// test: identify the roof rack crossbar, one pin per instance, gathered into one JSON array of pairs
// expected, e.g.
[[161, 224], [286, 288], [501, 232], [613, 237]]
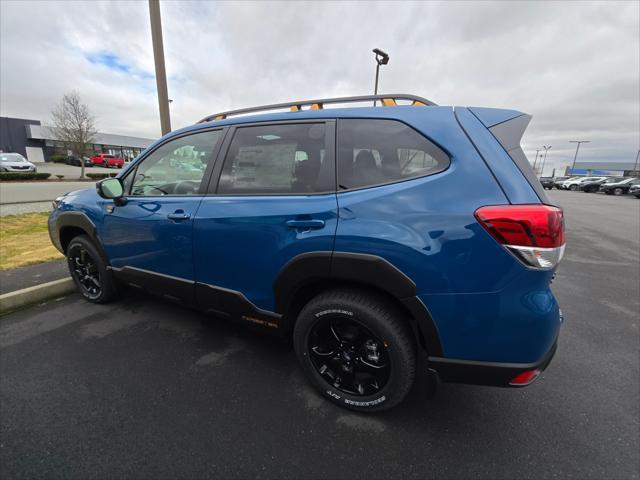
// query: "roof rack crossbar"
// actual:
[[389, 99]]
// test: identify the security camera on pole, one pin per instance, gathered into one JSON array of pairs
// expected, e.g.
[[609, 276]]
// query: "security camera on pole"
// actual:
[[382, 58]]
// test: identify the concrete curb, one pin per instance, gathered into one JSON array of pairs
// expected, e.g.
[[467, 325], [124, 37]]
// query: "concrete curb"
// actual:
[[38, 293]]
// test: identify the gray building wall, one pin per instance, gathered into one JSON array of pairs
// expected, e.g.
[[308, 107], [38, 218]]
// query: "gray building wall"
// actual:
[[13, 135]]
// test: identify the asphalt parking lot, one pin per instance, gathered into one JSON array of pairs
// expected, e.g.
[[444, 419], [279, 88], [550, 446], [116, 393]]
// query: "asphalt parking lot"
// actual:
[[145, 389]]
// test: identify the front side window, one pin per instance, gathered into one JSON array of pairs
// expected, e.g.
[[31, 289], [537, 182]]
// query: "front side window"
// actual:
[[278, 159], [374, 152], [175, 168]]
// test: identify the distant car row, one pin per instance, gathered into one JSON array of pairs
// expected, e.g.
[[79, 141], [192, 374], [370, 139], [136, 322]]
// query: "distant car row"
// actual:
[[100, 160], [608, 185]]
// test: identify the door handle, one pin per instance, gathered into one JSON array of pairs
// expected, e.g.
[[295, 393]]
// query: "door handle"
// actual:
[[306, 224], [178, 216]]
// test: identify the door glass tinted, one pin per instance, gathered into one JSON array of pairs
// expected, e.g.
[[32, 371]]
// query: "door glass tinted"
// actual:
[[278, 159], [374, 152], [177, 167]]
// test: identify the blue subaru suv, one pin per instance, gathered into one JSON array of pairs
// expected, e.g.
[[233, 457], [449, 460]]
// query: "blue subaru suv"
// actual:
[[383, 240]]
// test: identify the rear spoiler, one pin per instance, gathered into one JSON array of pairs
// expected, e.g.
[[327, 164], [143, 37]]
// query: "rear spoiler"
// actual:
[[508, 127]]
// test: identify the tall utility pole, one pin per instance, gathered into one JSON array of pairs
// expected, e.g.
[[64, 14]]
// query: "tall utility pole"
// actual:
[[535, 161], [546, 149], [635, 165], [161, 74], [576, 155]]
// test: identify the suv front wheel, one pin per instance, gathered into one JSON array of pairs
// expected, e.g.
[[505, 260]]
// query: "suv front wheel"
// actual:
[[89, 271], [356, 350]]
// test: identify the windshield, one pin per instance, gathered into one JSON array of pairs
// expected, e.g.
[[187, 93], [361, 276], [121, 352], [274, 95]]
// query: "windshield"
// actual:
[[613, 179], [11, 157]]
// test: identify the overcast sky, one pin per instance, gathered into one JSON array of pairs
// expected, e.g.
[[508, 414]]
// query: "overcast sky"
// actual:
[[574, 66]]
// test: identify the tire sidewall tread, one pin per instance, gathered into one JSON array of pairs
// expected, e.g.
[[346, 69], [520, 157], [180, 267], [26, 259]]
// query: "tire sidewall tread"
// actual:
[[386, 322], [109, 289]]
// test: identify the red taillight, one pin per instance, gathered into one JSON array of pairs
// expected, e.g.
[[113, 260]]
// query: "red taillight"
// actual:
[[524, 225], [535, 233], [525, 378]]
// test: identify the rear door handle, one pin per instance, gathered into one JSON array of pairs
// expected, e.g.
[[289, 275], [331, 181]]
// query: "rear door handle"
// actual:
[[179, 216], [305, 224]]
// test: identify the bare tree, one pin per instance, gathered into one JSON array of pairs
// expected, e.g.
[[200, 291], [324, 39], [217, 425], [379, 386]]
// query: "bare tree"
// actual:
[[74, 125]]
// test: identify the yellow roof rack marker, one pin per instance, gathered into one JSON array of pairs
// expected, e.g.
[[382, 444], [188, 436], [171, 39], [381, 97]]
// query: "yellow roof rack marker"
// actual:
[[389, 102], [316, 106]]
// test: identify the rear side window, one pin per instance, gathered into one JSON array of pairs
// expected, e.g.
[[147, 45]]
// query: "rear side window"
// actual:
[[278, 159], [375, 152]]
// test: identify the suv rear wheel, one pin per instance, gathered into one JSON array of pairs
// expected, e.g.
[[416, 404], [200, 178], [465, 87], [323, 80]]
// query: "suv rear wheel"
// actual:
[[89, 271], [356, 350]]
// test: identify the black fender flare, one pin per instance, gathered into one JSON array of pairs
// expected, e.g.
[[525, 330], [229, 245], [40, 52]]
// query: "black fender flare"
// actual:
[[308, 268], [78, 220]]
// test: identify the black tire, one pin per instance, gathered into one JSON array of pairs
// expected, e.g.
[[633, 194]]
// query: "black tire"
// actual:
[[618, 191], [637, 196], [573, 188], [89, 271], [378, 324]]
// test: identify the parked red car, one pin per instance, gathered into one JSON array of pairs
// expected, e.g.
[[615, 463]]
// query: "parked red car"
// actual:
[[107, 160]]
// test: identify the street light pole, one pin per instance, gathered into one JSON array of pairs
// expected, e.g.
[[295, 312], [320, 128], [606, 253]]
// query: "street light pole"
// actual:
[[382, 58], [635, 165], [535, 161], [546, 149], [576, 155], [161, 74]]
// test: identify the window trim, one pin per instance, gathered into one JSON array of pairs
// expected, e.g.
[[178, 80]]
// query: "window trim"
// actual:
[[206, 176], [417, 177], [330, 146]]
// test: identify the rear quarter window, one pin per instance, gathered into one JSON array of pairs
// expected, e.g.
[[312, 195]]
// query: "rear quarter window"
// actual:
[[375, 152]]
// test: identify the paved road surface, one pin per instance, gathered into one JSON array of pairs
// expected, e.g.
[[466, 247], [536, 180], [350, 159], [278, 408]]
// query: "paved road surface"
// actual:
[[20, 192], [23, 277], [142, 388]]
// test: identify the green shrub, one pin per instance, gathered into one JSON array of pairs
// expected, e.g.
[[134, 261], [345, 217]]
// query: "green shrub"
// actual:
[[58, 158], [100, 176], [60, 177], [23, 176]]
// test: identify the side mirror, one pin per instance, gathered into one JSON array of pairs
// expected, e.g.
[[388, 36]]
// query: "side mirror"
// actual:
[[110, 188]]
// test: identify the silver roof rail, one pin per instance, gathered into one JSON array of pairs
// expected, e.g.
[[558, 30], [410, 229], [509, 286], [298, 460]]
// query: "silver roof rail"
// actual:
[[387, 100]]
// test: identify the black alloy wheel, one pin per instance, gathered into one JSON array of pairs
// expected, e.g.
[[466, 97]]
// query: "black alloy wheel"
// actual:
[[348, 356], [89, 271], [618, 191], [85, 272], [356, 348]]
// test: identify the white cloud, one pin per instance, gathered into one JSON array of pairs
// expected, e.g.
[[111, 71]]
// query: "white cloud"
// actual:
[[574, 66]]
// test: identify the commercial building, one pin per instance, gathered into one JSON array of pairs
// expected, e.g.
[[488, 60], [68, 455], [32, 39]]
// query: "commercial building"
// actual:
[[627, 169], [38, 143]]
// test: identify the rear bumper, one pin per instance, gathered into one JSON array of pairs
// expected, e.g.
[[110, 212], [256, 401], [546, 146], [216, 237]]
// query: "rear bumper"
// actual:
[[485, 373]]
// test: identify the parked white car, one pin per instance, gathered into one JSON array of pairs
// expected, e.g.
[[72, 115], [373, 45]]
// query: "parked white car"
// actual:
[[14, 162], [574, 183]]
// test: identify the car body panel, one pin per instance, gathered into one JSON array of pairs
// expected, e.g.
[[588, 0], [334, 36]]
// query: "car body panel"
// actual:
[[242, 242], [140, 234]]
